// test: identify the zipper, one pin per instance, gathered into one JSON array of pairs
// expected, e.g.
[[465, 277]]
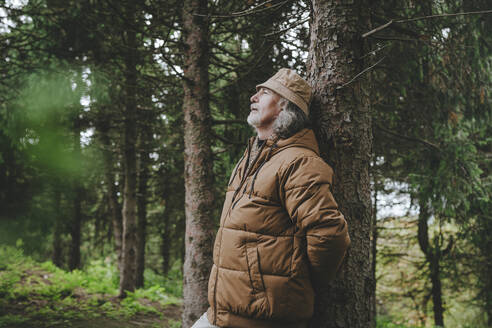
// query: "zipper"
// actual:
[[243, 179], [237, 201], [247, 171], [228, 213], [215, 289]]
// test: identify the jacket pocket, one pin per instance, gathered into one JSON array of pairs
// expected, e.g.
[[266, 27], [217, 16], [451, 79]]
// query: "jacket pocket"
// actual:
[[260, 306], [255, 277]]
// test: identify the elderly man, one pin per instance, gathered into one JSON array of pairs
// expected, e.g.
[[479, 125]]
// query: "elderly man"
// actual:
[[281, 237]]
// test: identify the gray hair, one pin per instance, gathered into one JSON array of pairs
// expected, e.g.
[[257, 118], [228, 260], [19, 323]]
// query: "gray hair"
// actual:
[[290, 120]]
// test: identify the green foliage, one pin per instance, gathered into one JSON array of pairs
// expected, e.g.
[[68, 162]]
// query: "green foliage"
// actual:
[[131, 305], [41, 290], [11, 258], [168, 282], [432, 117], [42, 117], [7, 282], [403, 292], [389, 322], [13, 320], [174, 324]]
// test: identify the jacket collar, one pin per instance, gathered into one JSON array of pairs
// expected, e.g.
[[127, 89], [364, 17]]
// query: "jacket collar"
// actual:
[[304, 138]]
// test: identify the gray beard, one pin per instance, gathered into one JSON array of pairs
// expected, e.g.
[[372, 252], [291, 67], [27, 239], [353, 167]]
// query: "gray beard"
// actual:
[[254, 119]]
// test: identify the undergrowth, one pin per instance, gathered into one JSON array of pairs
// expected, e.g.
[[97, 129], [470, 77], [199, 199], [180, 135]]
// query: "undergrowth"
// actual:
[[43, 295]]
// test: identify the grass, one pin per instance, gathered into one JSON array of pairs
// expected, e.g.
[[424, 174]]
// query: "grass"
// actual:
[[42, 295]]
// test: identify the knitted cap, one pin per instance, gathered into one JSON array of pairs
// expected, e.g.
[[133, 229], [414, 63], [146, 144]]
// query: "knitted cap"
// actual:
[[291, 86]]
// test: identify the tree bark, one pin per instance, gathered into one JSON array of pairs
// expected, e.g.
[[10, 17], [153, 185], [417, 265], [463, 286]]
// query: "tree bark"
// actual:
[[143, 178], [374, 238], [342, 121], [114, 205], [488, 289], [129, 247], [57, 257], [166, 240], [199, 199], [77, 207], [437, 292]]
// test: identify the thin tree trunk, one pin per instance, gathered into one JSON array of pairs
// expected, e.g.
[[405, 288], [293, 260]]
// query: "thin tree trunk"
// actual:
[[488, 290], [129, 247], [166, 240], [77, 215], [343, 125], [114, 205], [143, 178], [437, 292], [199, 199], [374, 244], [57, 257], [103, 124], [433, 258]]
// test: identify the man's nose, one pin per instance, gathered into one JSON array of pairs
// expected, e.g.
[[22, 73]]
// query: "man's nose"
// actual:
[[254, 98]]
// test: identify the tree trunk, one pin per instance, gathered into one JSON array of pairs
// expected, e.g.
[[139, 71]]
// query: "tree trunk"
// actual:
[[57, 257], [77, 206], [433, 258], [114, 205], [166, 240], [486, 273], [374, 239], [199, 199], [143, 178], [342, 119], [488, 290], [437, 292], [129, 247]]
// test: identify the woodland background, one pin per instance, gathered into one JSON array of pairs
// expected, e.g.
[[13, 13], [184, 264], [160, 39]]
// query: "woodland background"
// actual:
[[113, 113]]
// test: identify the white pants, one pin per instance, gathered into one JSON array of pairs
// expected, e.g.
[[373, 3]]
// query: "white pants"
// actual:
[[202, 322]]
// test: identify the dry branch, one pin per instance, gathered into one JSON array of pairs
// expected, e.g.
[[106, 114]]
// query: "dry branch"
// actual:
[[382, 27]]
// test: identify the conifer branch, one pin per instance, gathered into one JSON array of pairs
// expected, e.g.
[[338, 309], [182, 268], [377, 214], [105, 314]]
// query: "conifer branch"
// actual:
[[382, 27], [218, 122], [227, 141], [422, 141], [359, 74]]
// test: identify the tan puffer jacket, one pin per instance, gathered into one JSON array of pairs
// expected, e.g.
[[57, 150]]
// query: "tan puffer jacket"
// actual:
[[281, 236]]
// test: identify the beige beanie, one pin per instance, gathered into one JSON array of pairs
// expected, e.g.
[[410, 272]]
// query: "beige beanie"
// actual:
[[291, 86]]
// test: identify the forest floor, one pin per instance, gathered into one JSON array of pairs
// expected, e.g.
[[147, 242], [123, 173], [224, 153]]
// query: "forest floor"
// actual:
[[41, 295], [32, 314], [39, 312]]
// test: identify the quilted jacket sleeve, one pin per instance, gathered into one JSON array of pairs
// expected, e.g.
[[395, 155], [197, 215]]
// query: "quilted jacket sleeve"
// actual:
[[307, 197]]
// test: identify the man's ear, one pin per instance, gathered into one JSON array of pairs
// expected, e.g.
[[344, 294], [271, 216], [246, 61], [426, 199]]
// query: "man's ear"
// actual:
[[283, 103]]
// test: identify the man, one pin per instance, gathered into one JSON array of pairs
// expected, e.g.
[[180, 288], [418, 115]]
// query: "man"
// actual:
[[281, 237]]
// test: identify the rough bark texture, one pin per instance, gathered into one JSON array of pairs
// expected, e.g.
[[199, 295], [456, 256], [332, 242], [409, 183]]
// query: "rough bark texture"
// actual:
[[77, 207], [199, 197], [129, 247], [143, 177], [343, 126]]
